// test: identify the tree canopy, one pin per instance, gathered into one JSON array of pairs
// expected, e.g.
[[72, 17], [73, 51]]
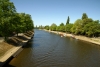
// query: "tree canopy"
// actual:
[[84, 26], [68, 19], [11, 21], [53, 27], [84, 16]]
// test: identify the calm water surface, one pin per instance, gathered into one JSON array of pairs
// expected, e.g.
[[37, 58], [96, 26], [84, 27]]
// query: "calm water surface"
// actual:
[[50, 50]]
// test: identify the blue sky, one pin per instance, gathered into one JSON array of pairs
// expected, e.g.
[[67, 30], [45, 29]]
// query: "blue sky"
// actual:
[[46, 12]]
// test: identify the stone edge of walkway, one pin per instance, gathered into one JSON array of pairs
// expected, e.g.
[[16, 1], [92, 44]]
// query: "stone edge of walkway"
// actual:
[[12, 51]]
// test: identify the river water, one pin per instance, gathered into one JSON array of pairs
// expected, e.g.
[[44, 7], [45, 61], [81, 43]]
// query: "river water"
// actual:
[[50, 50]]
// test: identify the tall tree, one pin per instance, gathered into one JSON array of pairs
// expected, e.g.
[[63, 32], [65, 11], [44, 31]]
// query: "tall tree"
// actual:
[[11, 21], [47, 27], [36, 27], [84, 16], [62, 27], [40, 27], [7, 9], [68, 20], [92, 29]]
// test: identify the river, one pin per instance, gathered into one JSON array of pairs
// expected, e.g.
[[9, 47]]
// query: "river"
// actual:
[[50, 50]]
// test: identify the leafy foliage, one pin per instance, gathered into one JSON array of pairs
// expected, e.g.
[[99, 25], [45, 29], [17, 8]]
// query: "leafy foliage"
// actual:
[[84, 16], [68, 28], [92, 29], [11, 21], [84, 26], [53, 27]]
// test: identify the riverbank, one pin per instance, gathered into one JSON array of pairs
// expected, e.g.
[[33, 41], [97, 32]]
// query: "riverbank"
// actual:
[[83, 38], [13, 46]]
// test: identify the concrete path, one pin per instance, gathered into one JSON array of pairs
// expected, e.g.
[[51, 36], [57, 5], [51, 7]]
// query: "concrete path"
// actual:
[[12, 51], [1, 39]]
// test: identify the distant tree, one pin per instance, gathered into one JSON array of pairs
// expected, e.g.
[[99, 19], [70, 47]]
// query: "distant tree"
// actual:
[[28, 23], [53, 27], [36, 27], [84, 16], [41, 27], [11, 21], [77, 27], [68, 28], [62, 24], [58, 28], [22, 23], [96, 21], [47, 27], [68, 19], [61, 27], [87, 20], [92, 29]]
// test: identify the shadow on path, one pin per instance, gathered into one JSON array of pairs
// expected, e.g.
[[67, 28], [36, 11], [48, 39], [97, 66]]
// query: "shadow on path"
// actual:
[[18, 40]]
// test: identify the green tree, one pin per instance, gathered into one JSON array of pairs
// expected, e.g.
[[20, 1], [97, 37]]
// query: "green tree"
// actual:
[[11, 21], [84, 16], [92, 29], [77, 27], [53, 27], [47, 27], [15, 22], [41, 27], [58, 28], [22, 23], [85, 22], [7, 9], [68, 19], [36, 27], [68, 28]]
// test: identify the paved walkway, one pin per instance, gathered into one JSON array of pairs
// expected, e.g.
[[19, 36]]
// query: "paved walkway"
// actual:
[[1, 39], [12, 51]]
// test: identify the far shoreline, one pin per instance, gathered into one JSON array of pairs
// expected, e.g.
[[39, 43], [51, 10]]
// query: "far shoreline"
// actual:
[[95, 41]]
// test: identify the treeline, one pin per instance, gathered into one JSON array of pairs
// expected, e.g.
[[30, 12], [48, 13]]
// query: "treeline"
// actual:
[[84, 26], [12, 22]]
